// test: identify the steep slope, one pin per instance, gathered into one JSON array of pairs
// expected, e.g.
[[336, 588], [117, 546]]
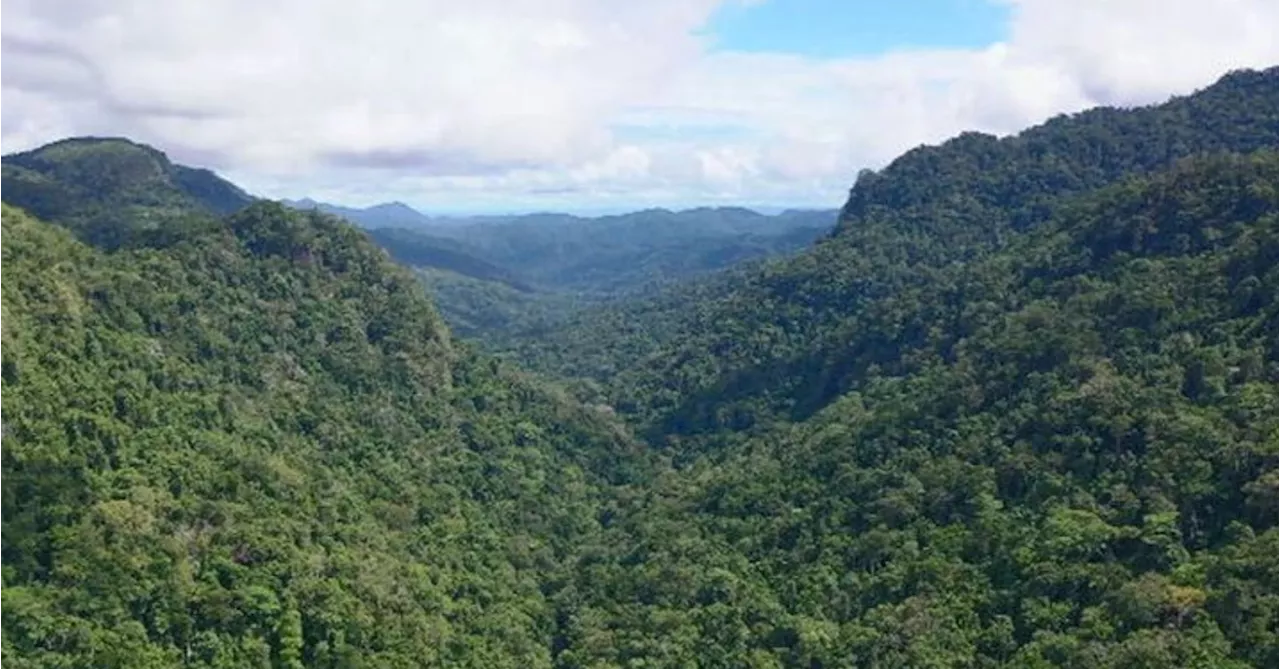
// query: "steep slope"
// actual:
[[800, 332], [257, 446], [1068, 460], [109, 190]]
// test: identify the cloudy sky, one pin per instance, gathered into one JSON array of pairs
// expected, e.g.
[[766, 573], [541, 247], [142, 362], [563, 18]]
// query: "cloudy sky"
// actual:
[[508, 105]]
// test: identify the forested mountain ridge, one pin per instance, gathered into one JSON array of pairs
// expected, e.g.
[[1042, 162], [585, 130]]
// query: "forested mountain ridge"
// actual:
[[794, 334], [256, 445], [603, 256], [386, 215], [1084, 475], [1012, 179], [610, 255], [110, 189]]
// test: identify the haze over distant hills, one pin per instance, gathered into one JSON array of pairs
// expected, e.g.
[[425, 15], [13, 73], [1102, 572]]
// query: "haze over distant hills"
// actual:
[[401, 215], [497, 273], [387, 214]]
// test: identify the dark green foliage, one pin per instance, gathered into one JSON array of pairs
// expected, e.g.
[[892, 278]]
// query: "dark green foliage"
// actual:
[[488, 311], [113, 192], [598, 340], [1073, 465], [1010, 414], [258, 446]]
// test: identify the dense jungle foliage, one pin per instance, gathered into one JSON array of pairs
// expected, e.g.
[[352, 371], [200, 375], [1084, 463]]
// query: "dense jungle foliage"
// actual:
[[257, 446], [947, 435], [1017, 410], [806, 327]]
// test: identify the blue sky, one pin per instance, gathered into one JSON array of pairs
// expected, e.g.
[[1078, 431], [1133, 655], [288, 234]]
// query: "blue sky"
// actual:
[[846, 28]]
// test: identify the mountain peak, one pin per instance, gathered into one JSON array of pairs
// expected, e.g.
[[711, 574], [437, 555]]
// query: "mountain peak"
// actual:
[[971, 162], [393, 214], [95, 142], [106, 186], [396, 208], [121, 161]]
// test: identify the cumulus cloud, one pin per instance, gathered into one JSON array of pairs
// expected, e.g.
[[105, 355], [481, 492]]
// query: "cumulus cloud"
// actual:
[[827, 118], [1137, 51], [589, 101], [291, 84]]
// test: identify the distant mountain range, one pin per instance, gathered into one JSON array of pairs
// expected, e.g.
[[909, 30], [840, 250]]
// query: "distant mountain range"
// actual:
[[551, 260], [107, 189], [400, 215], [385, 215], [602, 254]]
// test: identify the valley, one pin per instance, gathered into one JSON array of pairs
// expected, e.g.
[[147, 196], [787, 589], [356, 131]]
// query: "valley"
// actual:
[[1012, 405], [492, 276]]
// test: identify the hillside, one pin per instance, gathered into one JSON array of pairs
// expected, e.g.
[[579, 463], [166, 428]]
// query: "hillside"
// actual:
[[592, 256], [257, 446], [1063, 455], [794, 334], [110, 190], [485, 310]]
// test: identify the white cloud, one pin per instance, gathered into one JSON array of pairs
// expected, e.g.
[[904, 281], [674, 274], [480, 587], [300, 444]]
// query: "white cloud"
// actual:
[[290, 84], [517, 101], [1136, 51]]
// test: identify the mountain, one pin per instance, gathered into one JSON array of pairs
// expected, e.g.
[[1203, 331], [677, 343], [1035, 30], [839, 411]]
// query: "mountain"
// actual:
[[932, 209], [256, 444], [106, 189], [418, 250], [1018, 410], [609, 255], [603, 255], [1084, 477], [385, 215]]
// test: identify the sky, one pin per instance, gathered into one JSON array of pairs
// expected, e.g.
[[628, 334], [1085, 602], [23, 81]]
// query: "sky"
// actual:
[[852, 28], [587, 106]]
